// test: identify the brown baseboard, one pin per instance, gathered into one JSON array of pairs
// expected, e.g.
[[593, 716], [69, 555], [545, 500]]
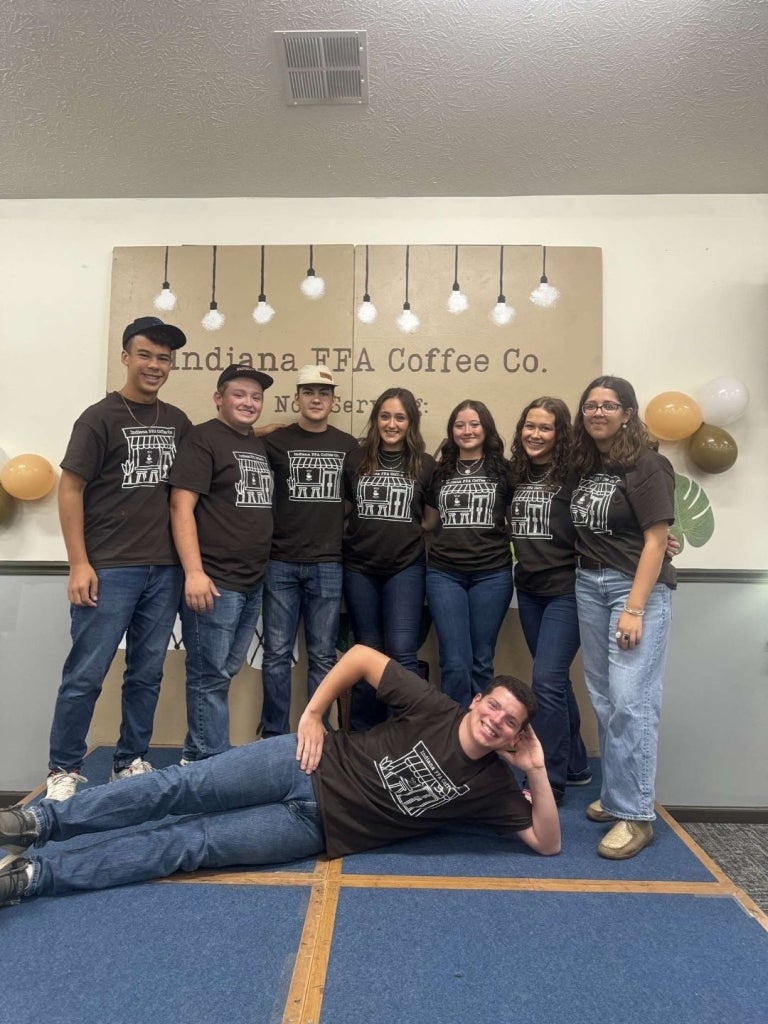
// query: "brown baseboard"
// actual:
[[8, 797], [737, 815]]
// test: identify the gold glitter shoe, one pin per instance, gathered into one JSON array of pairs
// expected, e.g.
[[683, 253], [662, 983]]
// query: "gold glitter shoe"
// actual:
[[595, 812], [625, 839]]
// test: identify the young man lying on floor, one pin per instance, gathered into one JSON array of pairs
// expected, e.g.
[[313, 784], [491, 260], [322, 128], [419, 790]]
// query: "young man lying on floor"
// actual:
[[295, 796]]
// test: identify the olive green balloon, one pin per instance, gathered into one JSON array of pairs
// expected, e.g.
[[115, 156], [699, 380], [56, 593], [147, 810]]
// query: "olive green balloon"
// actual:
[[712, 449], [7, 505]]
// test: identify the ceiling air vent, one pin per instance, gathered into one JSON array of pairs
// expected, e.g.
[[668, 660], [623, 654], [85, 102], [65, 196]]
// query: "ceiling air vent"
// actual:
[[324, 67]]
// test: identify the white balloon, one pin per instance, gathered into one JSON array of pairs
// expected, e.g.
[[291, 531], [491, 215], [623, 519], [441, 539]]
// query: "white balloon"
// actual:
[[722, 400]]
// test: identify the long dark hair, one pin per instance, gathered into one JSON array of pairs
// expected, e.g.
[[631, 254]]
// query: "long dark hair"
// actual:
[[562, 450], [413, 452], [496, 466], [627, 442]]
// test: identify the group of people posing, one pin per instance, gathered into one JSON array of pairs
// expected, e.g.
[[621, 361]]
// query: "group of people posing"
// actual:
[[292, 517]]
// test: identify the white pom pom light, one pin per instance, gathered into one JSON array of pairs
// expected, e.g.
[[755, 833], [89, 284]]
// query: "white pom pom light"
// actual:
[[502, 314], [312, 286], [166, 300], [457, 300], [213, 319], [366, 311], [263, 312], [408, 322], [544, 295]]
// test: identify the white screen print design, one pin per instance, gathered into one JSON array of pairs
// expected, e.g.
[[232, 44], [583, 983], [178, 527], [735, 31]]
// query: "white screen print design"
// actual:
[[467, 501], [530, 511], [254, 488], [590, 501], [315, 476], [384, 495], [416, 782], [151, 451]]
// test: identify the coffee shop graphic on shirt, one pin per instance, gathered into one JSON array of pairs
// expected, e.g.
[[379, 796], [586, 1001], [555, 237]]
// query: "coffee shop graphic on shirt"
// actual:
[[315, 475], [151, 451], [416, 782], [254, 488], [530, 511], [590, 501], [384, 495], [467, 502]]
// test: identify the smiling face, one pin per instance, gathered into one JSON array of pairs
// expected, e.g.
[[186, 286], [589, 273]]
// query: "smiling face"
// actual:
[[314, 402], [493, 722], [603, 424], [538, 435], [239, 403], [147, 366], [468, 434], [392, 423]]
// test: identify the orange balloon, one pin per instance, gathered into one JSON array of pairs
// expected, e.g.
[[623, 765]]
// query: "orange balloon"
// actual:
[[27, 477], [673, 415]]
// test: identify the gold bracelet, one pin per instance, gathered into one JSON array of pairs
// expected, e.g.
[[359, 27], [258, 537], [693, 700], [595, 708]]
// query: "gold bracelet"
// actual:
[[640, 612]]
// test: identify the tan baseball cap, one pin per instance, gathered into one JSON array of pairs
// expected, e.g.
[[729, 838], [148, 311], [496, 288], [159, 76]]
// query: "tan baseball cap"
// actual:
[[315, 374]]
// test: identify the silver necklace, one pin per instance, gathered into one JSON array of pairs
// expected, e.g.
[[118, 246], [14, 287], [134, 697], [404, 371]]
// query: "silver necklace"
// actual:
[[471, 467], [390, 460], [542, 478], [135, 420]]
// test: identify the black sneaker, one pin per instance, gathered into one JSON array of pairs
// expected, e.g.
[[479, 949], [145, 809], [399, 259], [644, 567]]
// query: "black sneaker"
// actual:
[[14, 882], [18, 830]]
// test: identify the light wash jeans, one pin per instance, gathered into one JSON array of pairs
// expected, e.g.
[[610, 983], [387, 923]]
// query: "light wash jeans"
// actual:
[[142, 600], [311, 590], [624, 687], [250, 805], [467, 609], [216, 643]]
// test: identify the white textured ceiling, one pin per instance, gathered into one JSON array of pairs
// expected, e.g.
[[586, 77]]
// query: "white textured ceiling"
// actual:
[[138, 98]]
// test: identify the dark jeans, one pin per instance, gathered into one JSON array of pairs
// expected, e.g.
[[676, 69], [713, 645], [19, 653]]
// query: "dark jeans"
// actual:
[[468, 609], [551, 629], [385, 613]]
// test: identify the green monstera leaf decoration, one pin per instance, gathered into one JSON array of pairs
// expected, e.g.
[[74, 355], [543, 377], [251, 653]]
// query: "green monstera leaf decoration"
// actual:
[[694, 518]]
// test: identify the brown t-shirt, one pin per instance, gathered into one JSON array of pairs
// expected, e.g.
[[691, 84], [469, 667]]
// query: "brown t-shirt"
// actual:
[[126, 467], [233, 514], [409, 775], [472, 535]]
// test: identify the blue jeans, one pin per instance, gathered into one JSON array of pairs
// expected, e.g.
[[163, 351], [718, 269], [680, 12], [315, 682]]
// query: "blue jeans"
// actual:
[[311, 590], [142, 600], [551, 629], [385, 613], [249, 805], [467, 609], [624, 687], [216, 643]]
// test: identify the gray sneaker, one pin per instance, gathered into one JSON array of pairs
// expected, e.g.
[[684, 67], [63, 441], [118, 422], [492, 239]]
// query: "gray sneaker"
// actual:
[[14, 881], [138, 766], [18, 830], [61, 785]]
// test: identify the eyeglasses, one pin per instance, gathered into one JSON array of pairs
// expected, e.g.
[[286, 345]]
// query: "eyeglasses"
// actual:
[[589, 407]]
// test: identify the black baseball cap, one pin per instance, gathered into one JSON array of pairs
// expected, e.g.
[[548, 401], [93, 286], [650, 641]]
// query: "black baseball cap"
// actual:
[[154, 329], [244, 370]]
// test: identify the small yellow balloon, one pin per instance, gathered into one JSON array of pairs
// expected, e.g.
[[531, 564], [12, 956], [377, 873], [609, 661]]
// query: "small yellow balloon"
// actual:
[[672, 416], [712, 449], [27, 477]]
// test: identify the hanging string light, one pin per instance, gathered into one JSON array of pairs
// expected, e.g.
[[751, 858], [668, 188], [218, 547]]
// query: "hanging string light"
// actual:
[[263, 312], [457, 300], [213, 319], [166, 300], [366, 311], [544, 294], [407, 321], [312, 286], [501, 313]]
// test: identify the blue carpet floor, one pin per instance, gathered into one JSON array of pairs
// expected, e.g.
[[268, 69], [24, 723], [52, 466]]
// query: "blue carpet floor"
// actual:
[[151, 953], [543, 958]]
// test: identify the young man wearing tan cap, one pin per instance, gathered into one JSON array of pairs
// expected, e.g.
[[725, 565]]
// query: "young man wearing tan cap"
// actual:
[[304, 574], [221, 515], [124, 573]]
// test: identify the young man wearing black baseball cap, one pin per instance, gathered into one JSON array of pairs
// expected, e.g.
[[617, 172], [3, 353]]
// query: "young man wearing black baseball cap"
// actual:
[[124, 576], [221, 516]]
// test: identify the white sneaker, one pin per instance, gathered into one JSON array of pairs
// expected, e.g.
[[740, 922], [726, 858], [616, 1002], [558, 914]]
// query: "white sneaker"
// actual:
[[62, 785], [138, 766]]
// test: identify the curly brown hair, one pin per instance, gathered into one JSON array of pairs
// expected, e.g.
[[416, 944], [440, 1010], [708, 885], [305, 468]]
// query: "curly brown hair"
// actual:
[[562, 450], [627, 443], [496, 466]]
